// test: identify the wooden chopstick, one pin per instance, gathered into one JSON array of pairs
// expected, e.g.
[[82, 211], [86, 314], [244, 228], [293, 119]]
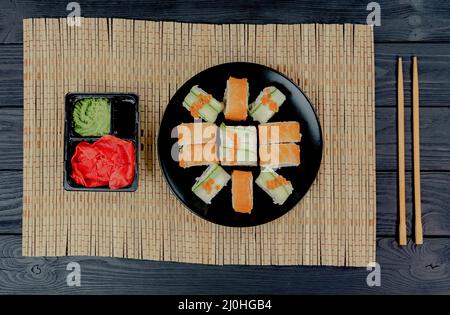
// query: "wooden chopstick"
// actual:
[[416, 154], [401, 153]]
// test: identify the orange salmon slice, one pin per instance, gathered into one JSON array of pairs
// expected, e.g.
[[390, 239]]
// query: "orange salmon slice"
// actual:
[[196, 133], [242, 191], [279, 154], [279, 132], [237, 99], [198, 154]]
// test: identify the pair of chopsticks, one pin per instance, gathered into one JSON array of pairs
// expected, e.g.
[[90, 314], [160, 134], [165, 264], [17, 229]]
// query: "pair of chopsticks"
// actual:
[[416, 153]]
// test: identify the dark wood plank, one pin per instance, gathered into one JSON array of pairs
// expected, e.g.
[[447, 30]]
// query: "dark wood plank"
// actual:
[[11, 130], [409, 269], [10, 246], [435, 143], [435, 201], [434, 66], [400, 20], [434, 140], [11, 74], [10, 202]]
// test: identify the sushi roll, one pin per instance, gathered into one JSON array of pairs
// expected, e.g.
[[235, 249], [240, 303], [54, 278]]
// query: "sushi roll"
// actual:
[[196, 133], [202, 105], [197, 155], [210, 183], [275, 185], [279, 132], [236, 99], [266, 104], [238, 145], [242, 191], [278, 155]]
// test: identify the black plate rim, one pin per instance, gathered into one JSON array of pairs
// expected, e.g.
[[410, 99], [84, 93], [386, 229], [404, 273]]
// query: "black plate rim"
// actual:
[[163, 168]]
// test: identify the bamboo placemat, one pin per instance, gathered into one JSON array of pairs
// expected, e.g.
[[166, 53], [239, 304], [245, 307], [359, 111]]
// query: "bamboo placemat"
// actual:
[[334, 224]]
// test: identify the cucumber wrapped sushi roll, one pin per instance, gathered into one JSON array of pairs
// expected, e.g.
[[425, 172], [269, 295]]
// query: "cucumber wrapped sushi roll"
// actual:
[[266, 104], [238, 145], [202, 105], [210, 183], [275, 185]]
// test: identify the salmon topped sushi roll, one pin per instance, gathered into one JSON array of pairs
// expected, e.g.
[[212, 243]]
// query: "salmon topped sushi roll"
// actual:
[[242, 191], [197, 155], [279, 132], [236, 99], [278, 155], [196, 133]]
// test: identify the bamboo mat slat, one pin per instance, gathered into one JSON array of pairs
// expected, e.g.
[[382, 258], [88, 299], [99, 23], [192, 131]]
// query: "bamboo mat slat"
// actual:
[[334, 224]]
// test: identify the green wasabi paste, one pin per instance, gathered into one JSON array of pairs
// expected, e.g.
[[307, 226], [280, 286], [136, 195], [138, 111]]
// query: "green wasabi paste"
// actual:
[[92, 117]]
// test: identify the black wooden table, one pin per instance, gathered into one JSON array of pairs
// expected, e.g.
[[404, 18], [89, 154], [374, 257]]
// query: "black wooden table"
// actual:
[[407, 27]]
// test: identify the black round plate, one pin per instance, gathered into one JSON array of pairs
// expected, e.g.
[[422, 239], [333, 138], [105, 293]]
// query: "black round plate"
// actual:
[[296, 107]]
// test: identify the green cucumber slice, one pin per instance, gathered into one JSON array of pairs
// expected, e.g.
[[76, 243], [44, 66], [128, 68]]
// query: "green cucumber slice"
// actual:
[[273, 175], [258, 104], [208, 113], [196, 186]]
